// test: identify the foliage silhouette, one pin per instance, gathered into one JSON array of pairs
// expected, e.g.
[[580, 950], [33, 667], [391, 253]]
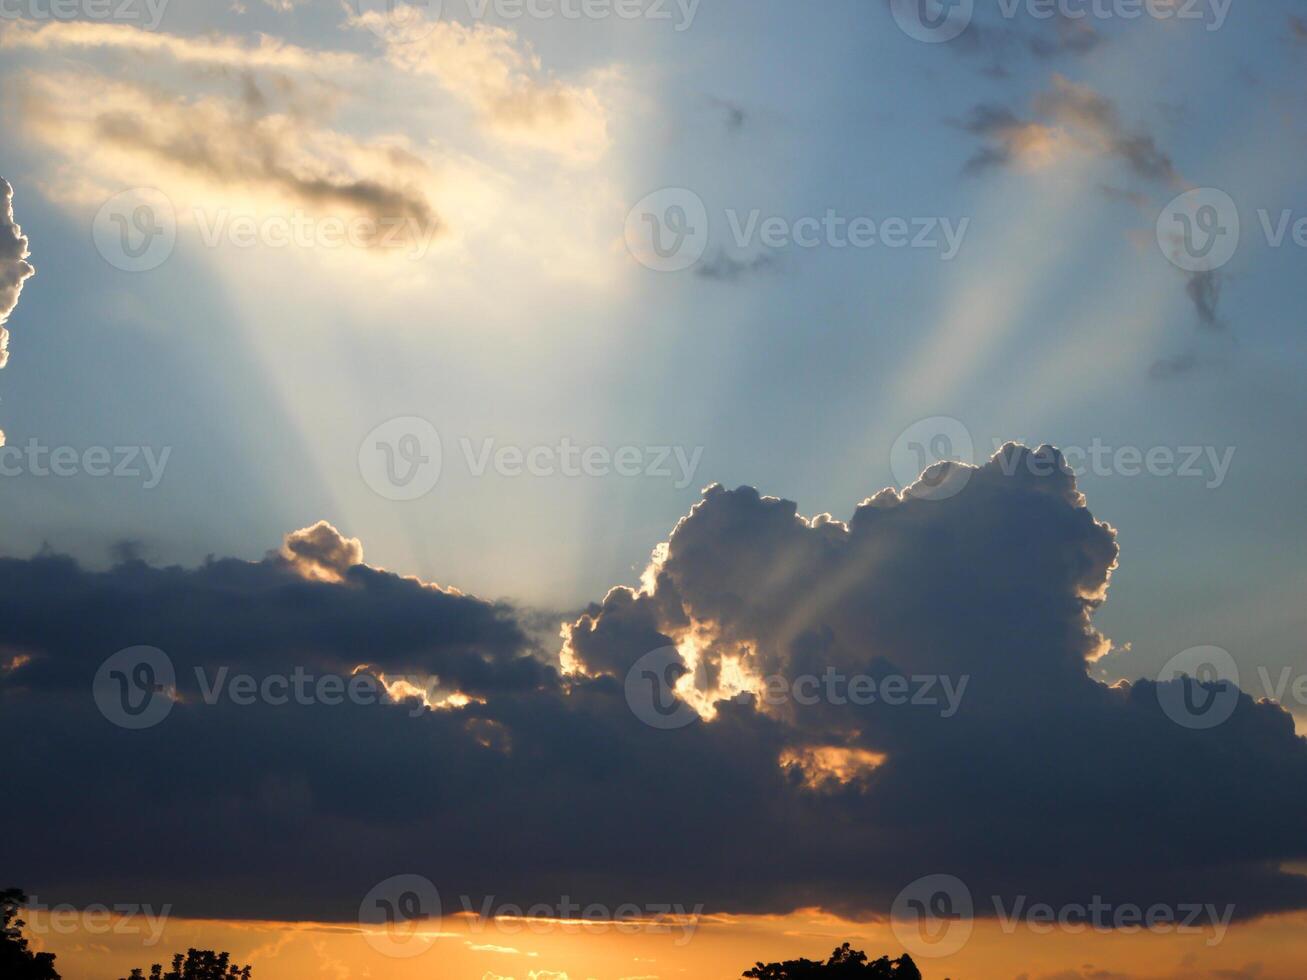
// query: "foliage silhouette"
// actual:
[[845, 963], [198, 964], [17, 962]]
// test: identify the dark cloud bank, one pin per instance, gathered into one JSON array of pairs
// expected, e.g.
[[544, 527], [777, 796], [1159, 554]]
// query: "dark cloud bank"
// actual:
[[1044, 783]]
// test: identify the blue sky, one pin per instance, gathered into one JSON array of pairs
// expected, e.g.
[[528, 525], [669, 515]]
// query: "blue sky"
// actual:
[[264, 368]]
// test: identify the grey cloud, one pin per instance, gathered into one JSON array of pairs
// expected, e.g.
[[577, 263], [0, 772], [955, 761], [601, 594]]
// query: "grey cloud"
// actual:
[[547, 783], [1091, 118], [726, 268], [1204, 290]]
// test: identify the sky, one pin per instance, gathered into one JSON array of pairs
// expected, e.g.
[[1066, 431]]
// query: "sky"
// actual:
[[511, 355]]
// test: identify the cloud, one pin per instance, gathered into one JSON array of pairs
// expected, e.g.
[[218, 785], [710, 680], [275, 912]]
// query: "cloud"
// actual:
[[1204, 289], [14, 267], [503, 80], [231, 149], [543, 781], [230, 129], [726, 268], [1003, 44], [321, 551], [1069, 120], [212, 49]]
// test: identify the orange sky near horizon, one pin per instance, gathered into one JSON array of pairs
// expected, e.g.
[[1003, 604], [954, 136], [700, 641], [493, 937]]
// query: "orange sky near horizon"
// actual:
[[463, 948]]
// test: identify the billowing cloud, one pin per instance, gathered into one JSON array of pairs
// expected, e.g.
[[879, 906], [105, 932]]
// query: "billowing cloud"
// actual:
[[14, 267], [546, 781], [321, 551]]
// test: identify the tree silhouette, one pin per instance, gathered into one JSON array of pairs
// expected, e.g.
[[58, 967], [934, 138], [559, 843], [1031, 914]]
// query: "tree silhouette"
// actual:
[[845, 963], [198, 964], [17, 962]]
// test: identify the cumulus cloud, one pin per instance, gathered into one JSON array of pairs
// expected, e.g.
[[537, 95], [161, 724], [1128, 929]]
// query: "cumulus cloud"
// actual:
[[14, 267], [321, 551], [545, 782]]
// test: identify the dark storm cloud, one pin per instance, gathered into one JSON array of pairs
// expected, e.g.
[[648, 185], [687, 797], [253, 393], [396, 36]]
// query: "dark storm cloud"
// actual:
[[270, 613], [1044, 783]]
